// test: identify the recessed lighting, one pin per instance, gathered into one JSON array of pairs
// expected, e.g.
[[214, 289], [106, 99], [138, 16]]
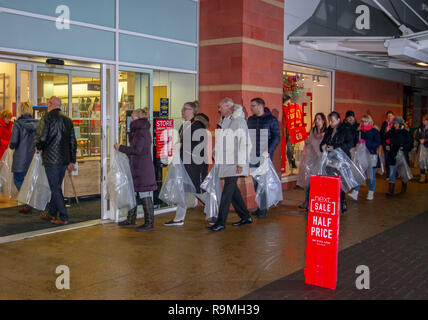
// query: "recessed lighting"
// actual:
[[422, 64]]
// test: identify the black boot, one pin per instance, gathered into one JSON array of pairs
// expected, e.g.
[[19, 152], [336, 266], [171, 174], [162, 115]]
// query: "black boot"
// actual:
[[343, 205], [391, 187], [149, 215], [130, 219], [304, 205], [403, 188]]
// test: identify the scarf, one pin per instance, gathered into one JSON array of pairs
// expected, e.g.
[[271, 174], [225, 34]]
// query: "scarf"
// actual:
[[367, 127]]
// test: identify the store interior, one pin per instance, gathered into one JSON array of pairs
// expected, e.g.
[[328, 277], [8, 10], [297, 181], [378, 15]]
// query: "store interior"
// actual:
[[311, 89]]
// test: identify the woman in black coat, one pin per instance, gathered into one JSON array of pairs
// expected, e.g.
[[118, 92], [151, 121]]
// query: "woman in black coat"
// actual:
[[193, 147], [338, 135], [422, 139], [398, 139], [142, 169]]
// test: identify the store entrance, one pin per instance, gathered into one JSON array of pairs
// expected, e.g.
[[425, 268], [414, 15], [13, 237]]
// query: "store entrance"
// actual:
[[80, 91]]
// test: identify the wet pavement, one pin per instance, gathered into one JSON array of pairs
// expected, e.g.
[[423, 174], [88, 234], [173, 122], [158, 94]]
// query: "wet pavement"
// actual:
[[190, 262]]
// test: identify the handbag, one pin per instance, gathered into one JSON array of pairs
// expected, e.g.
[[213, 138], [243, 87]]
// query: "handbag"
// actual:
[[373, 160]]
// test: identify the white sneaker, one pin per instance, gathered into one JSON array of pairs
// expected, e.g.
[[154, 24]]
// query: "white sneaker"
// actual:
[[353, 195], [370, 195]]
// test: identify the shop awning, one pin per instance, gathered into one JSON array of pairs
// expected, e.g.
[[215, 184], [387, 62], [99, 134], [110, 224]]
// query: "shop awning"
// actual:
[[367, 31]]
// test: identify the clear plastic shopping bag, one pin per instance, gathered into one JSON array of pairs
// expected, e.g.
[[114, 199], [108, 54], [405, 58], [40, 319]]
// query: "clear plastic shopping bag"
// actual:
[[120, 186], [361, 158], [338, 163], [212, 186], [269, 189], [178, 188], [422, 157], [6, 175], [381, 155], [307, 166], [35, 189], [403, 169]]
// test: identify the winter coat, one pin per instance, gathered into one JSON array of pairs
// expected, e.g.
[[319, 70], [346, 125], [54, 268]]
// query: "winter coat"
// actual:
[[422, 133], [354, 131], [314, 141], [197, 171], [57, 140], [383, 133], [140, 156], [23, 140], [5, 133], [343, 139], [268, 122], [233, 144], [372, 141], [399, 139]]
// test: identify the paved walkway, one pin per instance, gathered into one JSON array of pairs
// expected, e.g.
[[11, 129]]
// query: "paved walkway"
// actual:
[[190, 262]]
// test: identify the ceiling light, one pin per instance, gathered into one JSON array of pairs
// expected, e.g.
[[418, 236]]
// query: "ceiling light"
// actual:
[[422, 64]]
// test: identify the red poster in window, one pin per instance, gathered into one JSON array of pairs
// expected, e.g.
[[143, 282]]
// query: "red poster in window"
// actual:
[[295, 123], [323, 232], [164, 137]]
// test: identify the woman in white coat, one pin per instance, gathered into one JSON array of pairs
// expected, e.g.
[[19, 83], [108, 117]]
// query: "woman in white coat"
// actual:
[[232, 150]]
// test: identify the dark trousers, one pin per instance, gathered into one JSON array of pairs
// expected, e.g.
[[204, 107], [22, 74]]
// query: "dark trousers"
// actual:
[[55, 175], [231, 194]]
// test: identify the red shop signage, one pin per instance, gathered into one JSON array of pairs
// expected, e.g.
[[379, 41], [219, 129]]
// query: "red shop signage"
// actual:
[[295, 123], [323, 232], [164, 137]]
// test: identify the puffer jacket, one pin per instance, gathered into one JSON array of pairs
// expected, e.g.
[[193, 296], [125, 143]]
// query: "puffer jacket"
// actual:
[[57, 140], [233, 144], [354, 131], [268, 122], [399, 140], [422, 133], [343, 139], [23, 140]]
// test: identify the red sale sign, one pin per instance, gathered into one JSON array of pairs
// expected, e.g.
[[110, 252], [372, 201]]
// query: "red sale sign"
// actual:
[[164, 137], [323, 232]]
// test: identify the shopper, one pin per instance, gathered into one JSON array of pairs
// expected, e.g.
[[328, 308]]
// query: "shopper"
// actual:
[[370, 136], [58, 145], [422, 139], [384, 129], [265, 136], [142, 169], [23, 140], [312, 144], [398, 138], [353, 125], [5, 130], [232, 151], [286, 100], [193, 147], [338, 135]]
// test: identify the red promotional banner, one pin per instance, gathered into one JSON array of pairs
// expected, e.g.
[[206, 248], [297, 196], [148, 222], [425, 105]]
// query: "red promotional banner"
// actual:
[[164, 137], [295, 123], [323, 232]]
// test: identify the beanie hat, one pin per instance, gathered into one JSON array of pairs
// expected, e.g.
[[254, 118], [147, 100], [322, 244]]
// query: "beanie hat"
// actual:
[[398, 120], [350, 114]]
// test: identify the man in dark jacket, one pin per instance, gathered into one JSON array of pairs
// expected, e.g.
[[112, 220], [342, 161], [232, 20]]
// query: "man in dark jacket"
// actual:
[[58, 145], [353, 126], [265, 136], [338, 135], [421, 137]]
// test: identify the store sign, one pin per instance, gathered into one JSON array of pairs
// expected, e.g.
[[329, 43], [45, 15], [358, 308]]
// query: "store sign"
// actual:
[[295, 123], [94, 87], [164, 137], [323, 232], [164, 107]]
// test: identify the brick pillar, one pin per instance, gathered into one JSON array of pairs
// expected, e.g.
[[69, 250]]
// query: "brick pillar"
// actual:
[[241, 57]]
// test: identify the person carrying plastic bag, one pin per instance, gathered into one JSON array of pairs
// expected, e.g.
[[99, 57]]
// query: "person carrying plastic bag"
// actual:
[[6, 174], [366, 157], [422, 154], [35, 191], [120, 187], [269, 189]]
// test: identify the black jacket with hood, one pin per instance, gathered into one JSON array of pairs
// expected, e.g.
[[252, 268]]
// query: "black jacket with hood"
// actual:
[[343, 139]]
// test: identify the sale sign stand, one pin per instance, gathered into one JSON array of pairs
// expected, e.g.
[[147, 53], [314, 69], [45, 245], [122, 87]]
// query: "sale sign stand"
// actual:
[[323, 232]]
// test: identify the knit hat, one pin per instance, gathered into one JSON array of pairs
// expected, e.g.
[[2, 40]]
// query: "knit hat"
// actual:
[[350, 114], [398, 120]]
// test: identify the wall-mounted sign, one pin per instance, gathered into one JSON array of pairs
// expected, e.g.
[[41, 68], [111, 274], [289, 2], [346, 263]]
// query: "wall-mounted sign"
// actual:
[[164, 137], [94, 87], [164, 107]]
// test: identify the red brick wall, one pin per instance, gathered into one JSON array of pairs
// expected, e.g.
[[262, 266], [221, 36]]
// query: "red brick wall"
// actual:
[[365, 95]]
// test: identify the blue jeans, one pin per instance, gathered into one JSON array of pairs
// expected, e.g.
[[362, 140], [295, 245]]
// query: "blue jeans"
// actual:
[[372, 183], [18, 179], [422, 171], [392, 173], [55, 175]]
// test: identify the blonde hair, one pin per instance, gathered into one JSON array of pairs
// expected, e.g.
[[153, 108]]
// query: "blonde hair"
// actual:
[[368, 118], [194, 105], [5, 114], [141, 113], [25, 108]]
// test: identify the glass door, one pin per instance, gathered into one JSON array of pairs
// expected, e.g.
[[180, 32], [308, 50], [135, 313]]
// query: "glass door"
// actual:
[[24, 85]]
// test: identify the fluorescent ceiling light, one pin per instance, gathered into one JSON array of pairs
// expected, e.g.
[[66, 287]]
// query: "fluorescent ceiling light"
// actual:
[[422, 64]]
